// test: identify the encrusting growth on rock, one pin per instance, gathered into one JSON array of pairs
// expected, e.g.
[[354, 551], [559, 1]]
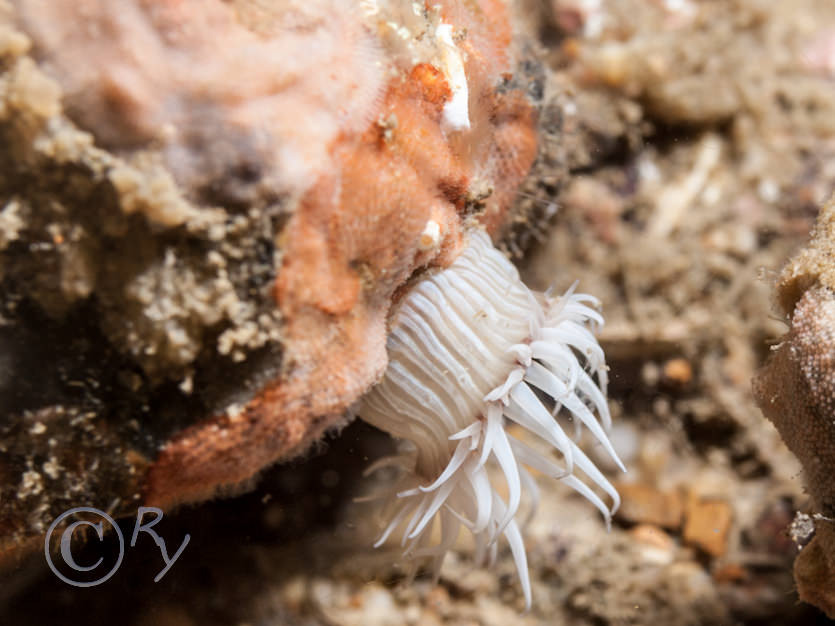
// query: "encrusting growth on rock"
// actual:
[[233, 222], [355, 239]]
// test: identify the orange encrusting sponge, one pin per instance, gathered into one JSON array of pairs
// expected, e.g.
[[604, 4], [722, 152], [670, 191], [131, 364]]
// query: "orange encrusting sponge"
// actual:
[[391, 201]]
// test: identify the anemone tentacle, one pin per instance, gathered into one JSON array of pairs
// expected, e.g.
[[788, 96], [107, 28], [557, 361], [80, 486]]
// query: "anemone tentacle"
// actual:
[[470, 348]]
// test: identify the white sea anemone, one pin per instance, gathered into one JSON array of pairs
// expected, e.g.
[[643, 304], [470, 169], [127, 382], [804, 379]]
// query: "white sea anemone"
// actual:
[[469, 348]]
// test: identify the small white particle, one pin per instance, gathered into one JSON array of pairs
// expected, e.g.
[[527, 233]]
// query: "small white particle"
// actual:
[[187, 384], [30, 485], [51, 468], [768, 191], [430, 238], [456, 111]]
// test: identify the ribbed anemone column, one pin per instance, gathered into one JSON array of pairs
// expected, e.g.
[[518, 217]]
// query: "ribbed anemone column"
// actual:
[[467, 347]]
